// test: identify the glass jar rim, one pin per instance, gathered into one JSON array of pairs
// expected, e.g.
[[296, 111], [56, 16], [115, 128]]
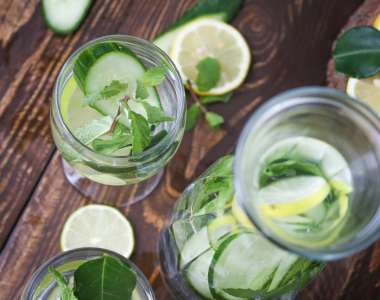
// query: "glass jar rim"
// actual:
[[85, 252], [82, 148], [367, 233]]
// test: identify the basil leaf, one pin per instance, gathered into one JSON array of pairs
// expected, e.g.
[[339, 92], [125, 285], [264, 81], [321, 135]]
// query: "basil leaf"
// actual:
[[141, 132], [155, 114], [214, 119], [109, 146], [192, 116], [357, 52], [114, 88], [141, 91], [208, 74], [93, 129], [154, 76], [216, 99], [66, 292], [105, 278], [283, 168]]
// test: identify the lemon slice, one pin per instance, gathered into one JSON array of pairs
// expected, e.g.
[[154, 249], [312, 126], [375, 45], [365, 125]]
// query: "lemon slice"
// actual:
[[240, 215], [366, 90], [292, 196], [98, 226], [211, 38]]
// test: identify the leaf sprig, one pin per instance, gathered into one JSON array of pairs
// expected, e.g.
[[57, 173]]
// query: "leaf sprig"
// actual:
[[127, 128], [197, 109]]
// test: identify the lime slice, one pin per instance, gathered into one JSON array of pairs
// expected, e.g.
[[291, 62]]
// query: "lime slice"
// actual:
[[67, 93], [98, 226], [211, 38], [240, 215], [292, 196], [366, 90]]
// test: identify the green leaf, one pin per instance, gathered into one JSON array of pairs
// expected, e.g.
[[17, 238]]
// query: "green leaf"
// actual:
[[93, 129], [284, 168], [154, 76], [357, 52], [141, 91], [208, 74], [155, 114], [158, 137], [109, 146], [192, 116], [243, 293], [105, 278], [114, 88], [214, 119], [216, 99], [141, 132], [66, 292]]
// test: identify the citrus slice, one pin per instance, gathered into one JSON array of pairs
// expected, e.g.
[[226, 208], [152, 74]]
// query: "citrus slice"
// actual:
[[240, 215], [292, 196], [98, 226], [67, 93], [204, 38], [366, 90]]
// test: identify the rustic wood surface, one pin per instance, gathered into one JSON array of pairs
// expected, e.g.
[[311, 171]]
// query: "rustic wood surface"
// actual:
[[291, 42]]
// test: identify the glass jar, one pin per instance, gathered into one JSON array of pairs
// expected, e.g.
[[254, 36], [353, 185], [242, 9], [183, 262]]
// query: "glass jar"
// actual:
[[133, 177], [211, 250], [348, 125], [42, 285]]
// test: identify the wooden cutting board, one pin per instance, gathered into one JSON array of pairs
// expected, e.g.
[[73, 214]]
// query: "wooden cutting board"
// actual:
[[364, 15]]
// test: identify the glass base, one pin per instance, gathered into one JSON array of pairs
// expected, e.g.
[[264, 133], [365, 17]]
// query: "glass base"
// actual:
[[126, 194]]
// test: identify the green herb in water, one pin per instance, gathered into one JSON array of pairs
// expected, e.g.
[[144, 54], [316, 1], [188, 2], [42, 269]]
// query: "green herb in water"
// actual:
[[65, 290]]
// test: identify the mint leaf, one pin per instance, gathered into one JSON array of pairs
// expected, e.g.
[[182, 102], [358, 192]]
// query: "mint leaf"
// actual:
[[154, 76], [216, 99], [114, 88], [192, 117], [158, 137], [66, 292], [357, 52], [214, 119], [93, 129], [141, 91], [105, 278], [109, 146], [155, 114], [208, 74], [141, 133]]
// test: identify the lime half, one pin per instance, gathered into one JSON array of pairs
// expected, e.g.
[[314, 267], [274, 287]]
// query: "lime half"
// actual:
[[98, 226]]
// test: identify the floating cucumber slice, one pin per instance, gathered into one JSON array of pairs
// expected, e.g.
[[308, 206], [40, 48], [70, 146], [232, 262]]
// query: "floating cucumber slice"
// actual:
[[215, 9], [219, 227], [64, 17], [98, 65], [194, 247]]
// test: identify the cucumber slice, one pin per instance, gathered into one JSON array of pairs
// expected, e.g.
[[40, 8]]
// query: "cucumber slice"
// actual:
[[215, 9], [98, 65], [194, 247], [251, 262], [64, 17]]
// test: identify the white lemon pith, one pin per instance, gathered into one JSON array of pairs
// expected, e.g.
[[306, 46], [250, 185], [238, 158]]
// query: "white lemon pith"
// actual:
[[211, 38], [98, 226]]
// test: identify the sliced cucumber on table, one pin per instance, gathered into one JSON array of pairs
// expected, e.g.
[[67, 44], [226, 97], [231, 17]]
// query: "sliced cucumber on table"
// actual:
[[65, 16], [215, 9], [100, 64]]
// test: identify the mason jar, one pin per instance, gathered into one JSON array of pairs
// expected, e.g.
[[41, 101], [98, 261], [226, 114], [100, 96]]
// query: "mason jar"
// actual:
[[130, 177], [43, 286]]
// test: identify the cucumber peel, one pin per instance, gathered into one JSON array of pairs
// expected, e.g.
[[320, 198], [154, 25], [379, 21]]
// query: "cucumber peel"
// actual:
[[64, 17]]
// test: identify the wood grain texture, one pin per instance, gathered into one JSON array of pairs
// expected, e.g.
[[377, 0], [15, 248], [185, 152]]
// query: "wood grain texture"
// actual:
[[291, 42]]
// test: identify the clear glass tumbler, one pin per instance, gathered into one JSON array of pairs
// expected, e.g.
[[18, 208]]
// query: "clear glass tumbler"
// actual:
[[128, 178], [42, 285], [330, 116]]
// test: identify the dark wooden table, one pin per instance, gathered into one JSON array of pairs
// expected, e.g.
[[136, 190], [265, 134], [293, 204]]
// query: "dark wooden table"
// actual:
[[291, 42]]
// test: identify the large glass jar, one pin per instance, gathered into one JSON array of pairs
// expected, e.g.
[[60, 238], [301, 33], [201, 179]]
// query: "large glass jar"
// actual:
[[212, 251]]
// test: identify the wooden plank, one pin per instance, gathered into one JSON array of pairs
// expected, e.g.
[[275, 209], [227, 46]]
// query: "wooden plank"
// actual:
[[274, 30]]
